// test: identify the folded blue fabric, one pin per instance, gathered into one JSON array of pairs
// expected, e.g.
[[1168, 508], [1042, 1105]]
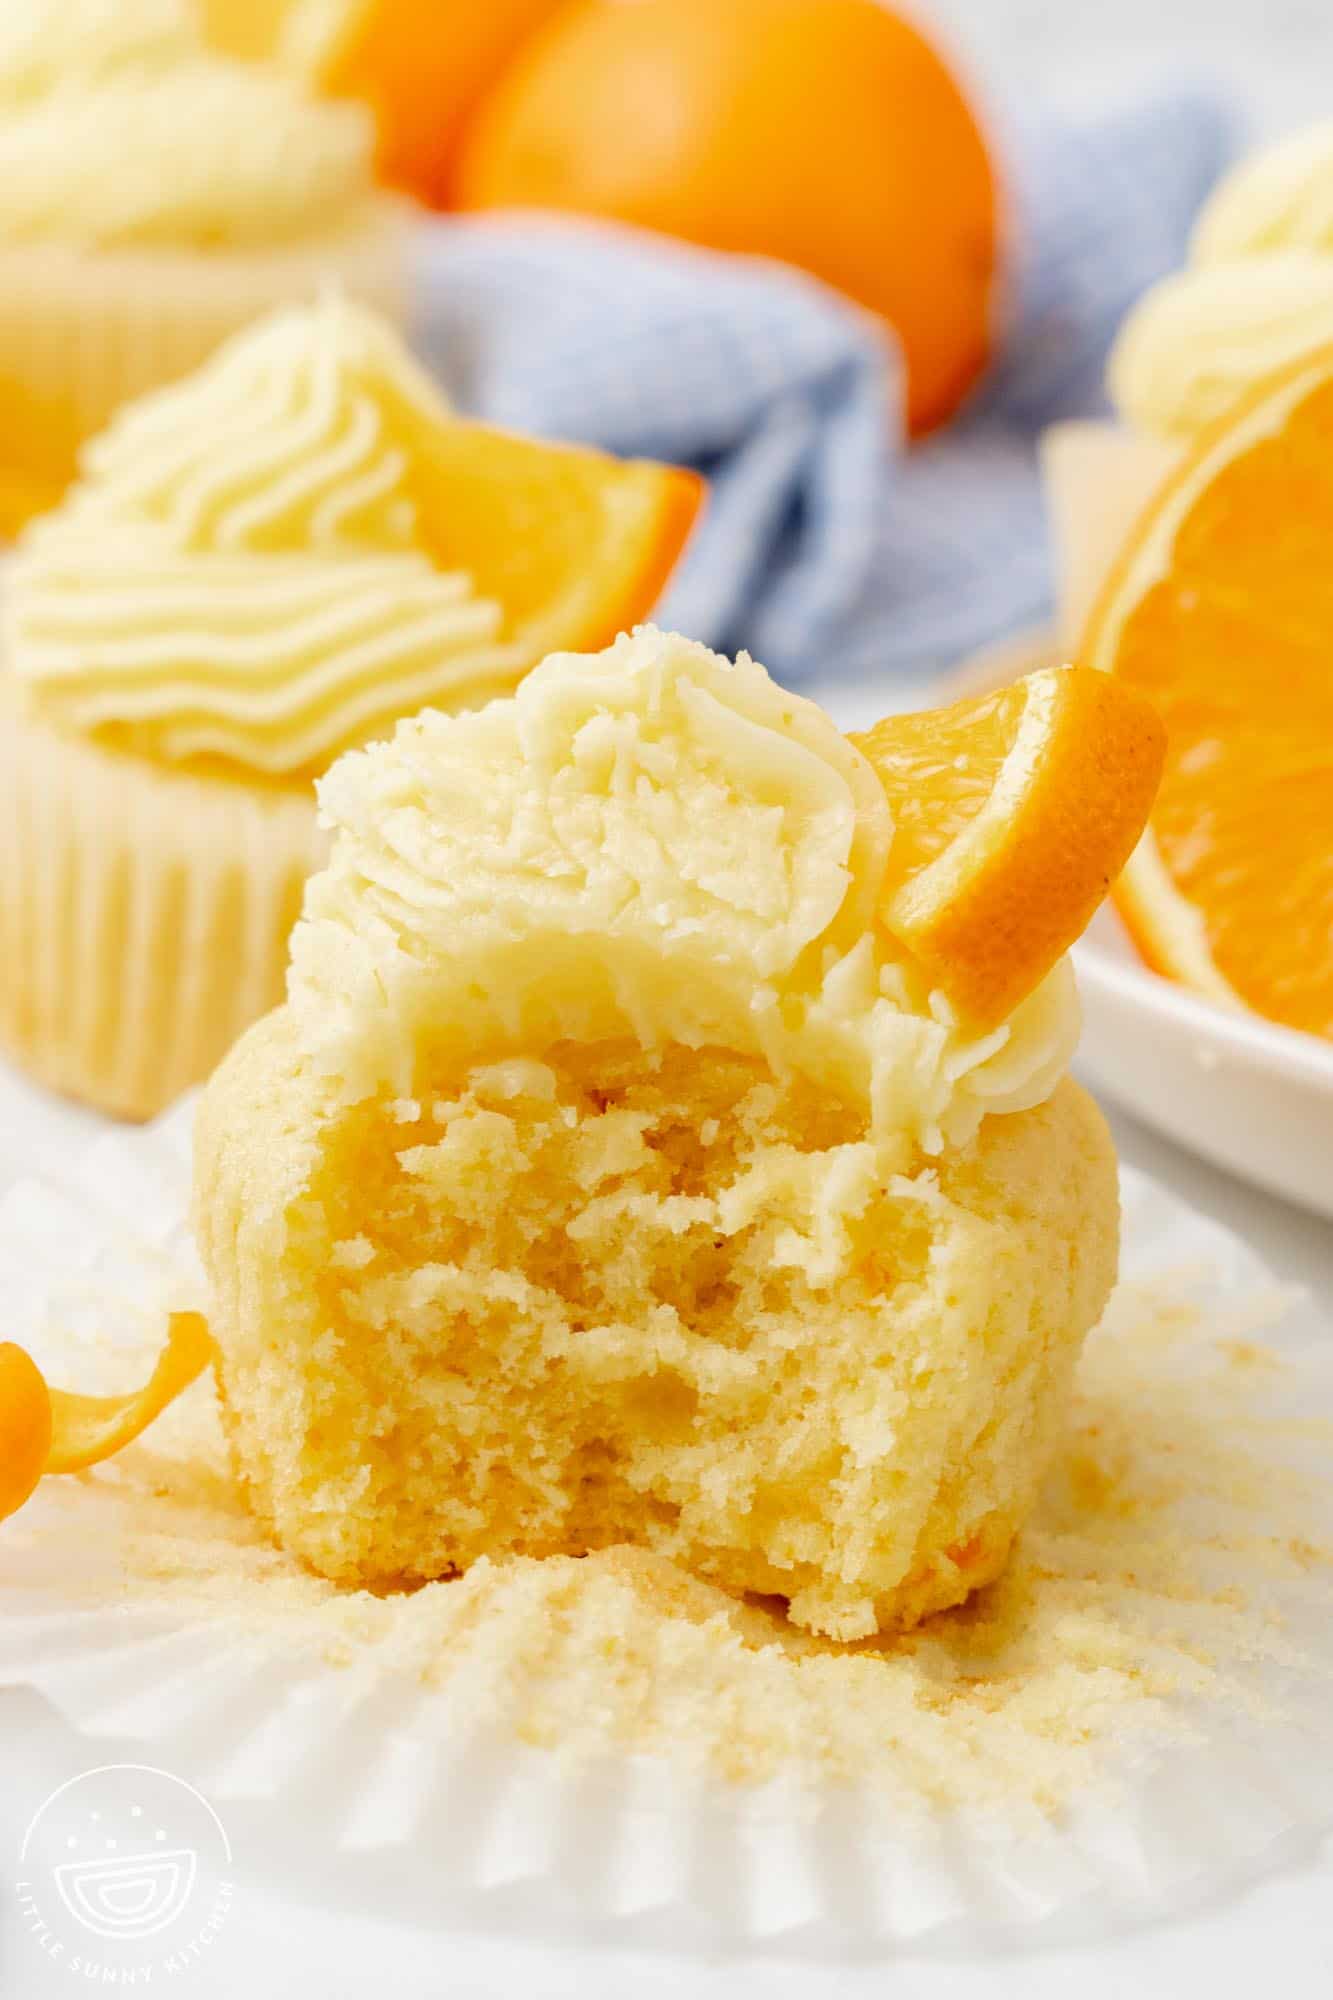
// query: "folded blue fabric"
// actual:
[[829, 548]]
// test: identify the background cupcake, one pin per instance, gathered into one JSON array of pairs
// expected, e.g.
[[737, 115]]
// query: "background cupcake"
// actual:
[[1256, 294], [260, 566], [154, 197]]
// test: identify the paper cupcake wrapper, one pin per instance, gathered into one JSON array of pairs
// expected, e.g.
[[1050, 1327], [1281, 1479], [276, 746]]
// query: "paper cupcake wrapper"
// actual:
[[84, 330], [421, 1815], [1098, 478], [144, 914]]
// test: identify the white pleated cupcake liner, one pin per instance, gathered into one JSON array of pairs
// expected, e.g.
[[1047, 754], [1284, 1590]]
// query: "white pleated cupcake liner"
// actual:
[[382, 1795], [83, 330], [1098, 477], [145, 913]]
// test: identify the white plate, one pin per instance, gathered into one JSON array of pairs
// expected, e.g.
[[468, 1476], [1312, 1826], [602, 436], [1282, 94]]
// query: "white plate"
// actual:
[[1246, 1094]]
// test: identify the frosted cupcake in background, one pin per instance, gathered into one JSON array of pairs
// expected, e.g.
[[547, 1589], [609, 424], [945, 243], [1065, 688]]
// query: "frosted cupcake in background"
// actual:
[[259, 567], [155, 197], [1256, 293]]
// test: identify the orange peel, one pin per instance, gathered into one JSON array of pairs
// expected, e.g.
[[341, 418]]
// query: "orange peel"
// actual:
[[53, 1430], [25, 1427], [1013, 814]]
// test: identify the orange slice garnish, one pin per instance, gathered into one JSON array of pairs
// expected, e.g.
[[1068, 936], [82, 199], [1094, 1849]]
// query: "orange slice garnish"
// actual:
[[1221, 611], [1013, 813], [51, 1430], [574, 544]]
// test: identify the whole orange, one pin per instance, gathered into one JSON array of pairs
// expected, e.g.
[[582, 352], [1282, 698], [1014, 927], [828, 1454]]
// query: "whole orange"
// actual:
[[423, 66], [827, 133]]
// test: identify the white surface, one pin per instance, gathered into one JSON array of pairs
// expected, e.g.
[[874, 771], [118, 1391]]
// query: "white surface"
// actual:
[[1273, 57], [1247, 1095]]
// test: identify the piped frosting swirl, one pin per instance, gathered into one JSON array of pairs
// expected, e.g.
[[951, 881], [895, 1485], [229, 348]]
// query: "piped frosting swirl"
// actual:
[[1256, 294], [240, 573], [119, 126]]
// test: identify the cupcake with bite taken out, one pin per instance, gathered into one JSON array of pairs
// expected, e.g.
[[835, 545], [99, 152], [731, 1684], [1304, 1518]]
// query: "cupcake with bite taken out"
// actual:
[[666, 1139]]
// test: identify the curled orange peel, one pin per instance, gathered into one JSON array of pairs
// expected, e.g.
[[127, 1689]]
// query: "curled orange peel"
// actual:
[[25, 1426], [51, 1430]]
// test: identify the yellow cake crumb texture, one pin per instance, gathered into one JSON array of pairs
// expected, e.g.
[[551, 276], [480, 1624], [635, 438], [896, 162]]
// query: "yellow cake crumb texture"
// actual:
[[602, 1298], [1177, 1574]]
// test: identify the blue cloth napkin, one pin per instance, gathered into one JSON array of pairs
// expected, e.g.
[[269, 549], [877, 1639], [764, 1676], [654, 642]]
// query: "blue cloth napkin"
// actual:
[[830, 549]]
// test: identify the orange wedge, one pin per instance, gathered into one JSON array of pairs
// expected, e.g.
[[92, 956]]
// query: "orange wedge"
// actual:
[[1013, 813], [575, 545], [1221, 611], [51, 1430]]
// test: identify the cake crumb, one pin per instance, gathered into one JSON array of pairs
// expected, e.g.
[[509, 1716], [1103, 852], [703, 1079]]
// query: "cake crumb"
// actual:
[[1181, 1551]]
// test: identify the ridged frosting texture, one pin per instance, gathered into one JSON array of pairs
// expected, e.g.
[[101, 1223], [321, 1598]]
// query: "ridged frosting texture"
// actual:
[[1257, 293], [654, 842], [1202, 337], [1280, 198], [119, 126], [240, 572]]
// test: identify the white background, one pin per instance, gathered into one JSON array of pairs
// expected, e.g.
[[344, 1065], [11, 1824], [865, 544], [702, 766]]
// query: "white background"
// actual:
[[1273, 57]]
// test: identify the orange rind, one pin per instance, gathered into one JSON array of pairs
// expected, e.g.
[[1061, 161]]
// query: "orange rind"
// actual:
[[1013, 813]]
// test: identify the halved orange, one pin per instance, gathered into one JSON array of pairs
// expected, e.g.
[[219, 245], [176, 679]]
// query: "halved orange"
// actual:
[[1221, 611], [1013, 813], [574, 544]]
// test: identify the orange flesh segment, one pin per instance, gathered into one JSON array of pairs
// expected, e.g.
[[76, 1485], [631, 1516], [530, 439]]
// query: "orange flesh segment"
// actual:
[[1013, 813], [576, 545], [25, 1427], [1221, 611]]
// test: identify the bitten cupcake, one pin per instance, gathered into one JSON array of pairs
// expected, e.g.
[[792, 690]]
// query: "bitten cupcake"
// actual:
[[154, 197], [624, 1167], [259, 567], [1256, 294]]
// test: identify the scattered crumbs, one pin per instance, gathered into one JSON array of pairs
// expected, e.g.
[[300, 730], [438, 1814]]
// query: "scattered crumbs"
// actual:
[[1247, 1354], [1180, 1565]]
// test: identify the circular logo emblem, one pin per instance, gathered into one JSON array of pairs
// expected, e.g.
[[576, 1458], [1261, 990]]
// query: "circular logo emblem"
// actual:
[[123, 1869]]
